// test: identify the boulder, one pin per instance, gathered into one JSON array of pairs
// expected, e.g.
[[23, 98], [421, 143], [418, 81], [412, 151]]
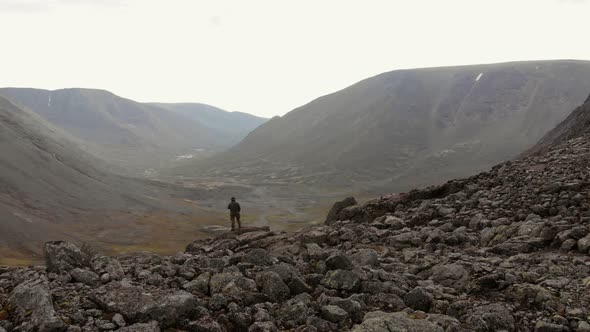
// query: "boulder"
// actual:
[[338, 261], [141, 327], [333, 314], [220, 281], [258, 257], [450, 275], [419, 299], [341, 280], [62, 256], [84, 276], [379, 321], [33, 307], [334, 214], [492, 317], [272, 285], [106, 265], [167, 307], [263, 327], [366, 257]]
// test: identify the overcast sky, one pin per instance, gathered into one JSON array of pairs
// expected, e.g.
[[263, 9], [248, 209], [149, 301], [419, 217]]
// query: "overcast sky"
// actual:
[[268, 57]]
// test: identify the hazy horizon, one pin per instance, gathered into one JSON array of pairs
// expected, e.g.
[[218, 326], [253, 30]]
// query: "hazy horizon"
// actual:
[[264, 57]]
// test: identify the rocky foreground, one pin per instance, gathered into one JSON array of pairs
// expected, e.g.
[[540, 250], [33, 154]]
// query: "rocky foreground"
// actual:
[[505, 250]]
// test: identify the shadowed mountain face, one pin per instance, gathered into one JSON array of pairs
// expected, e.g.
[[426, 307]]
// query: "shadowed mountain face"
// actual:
[[230, 127], [412, 127], [119, 130], [50, 189], [575, 125]]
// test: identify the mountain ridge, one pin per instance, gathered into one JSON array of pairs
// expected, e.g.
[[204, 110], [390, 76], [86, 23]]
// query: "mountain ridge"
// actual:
[[455, 120]]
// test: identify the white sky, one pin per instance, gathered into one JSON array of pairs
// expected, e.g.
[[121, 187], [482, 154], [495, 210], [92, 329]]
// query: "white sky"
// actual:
[[267, 57]]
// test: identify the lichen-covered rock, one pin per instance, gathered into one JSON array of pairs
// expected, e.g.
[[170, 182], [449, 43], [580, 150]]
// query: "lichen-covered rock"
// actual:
[[334, 214], [272, 285], [342, 280], [64, 256], [141, 305], [33, 307], [84, 276], [400, 321], [141, 327]]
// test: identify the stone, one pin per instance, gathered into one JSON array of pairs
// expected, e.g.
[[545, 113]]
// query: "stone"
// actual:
[[341, 280], [419, 299], [299, 286], [199, 284], [263, 327], [379, 321], [584, 244], [84, 276], [141, 327], [136, 304], [583, 326], [366, 257], [338, 261], [258, 257], [334, 213], [119, 320], [32, 304], [107, 265], [333, 314], [542, 326], [62, 256], [220, 281], [492, 317], [273, 286], [450, 275]]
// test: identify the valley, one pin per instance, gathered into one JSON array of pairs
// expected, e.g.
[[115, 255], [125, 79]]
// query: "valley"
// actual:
[[152, 176]]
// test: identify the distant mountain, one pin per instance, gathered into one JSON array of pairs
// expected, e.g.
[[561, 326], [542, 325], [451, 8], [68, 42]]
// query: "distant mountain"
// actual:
[[232, 127], [407, 128], [50, 188], [117, 129]]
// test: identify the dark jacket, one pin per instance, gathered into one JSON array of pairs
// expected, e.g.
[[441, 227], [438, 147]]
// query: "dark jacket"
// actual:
[[234, 208]]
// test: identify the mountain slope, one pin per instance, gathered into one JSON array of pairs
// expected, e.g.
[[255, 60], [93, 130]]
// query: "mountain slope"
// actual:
[[412, 127], [231, 127], [50, 188], [117, 129], [504, 250], [575, 125]]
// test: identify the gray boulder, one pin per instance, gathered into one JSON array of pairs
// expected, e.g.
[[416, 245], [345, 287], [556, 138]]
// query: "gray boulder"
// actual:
[[84, 276], [366, 257], [258, 257], [263, 327], [492, 317], [450, 275], [107, 265], [63, 256], [419, 299], [227, 280], [333, 313], [338, 261], [141, 327], [33, 307], [273, 286], [379, 321], [136, 304], [341, 280], [334, 214]]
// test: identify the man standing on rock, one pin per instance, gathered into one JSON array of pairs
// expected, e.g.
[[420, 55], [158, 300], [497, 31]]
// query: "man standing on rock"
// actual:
[[234, 213]]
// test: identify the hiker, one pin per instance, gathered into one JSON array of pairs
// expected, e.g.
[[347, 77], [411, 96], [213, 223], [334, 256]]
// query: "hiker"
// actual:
[[234, 213]]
